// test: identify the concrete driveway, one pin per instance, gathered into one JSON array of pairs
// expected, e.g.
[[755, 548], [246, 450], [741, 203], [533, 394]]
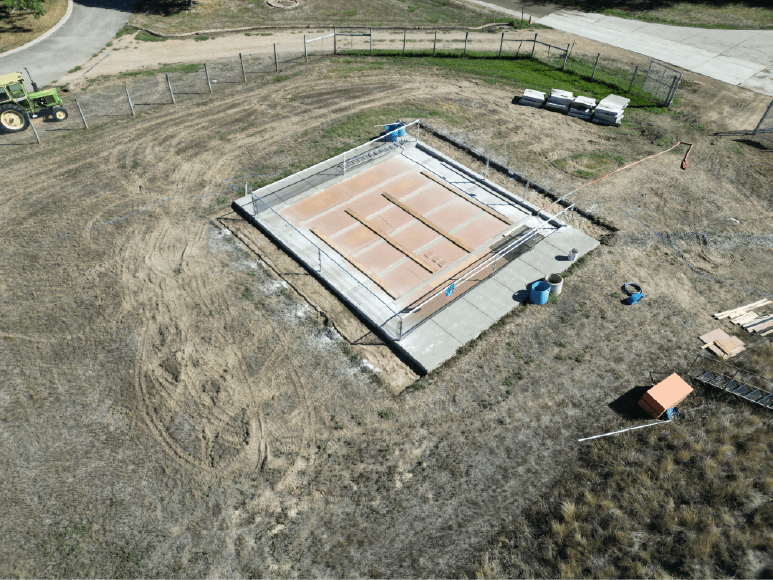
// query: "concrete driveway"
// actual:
[[737, 57], [90, 27]]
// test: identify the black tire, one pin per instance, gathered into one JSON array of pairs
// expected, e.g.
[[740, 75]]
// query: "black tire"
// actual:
[[13, 119], [59, 114]]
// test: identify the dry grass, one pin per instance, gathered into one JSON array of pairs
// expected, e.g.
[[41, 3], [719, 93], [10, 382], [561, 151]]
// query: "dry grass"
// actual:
[[688, 499], [21, 27]]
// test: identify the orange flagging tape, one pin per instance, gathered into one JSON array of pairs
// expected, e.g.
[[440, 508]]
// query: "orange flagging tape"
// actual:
[[684, 166]]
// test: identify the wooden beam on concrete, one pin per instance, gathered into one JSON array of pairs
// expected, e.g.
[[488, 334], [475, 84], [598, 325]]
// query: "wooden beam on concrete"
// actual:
[[429, 224], [467, 198], [392, 242]]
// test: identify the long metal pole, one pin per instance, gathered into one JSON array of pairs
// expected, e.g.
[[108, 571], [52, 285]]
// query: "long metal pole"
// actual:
[[501, 43], [33, 126], [130, 100], [335, 46], [169, 84], [276, 60], [305, 49], [595, 65], [633, 78], [763, 118], [533, 46], [566, 56], [624, 430], [81, 112], [466, 34], [206, 71], [404, 33], [434, 45], [371, 41], [241, 60]]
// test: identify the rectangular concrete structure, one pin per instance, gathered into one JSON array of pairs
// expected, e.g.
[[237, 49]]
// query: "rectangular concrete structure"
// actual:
[[426, 250]]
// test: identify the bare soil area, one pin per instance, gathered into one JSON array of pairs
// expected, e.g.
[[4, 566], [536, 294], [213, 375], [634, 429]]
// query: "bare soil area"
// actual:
[[180, 399]]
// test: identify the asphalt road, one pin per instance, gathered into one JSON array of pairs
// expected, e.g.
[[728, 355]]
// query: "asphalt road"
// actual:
[[90, 27]]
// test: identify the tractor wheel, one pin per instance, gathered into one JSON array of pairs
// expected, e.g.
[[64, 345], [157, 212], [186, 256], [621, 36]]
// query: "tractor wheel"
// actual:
[[13, 119], [59, 113]]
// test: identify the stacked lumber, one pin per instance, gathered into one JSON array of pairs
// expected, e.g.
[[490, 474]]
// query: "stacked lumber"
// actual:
[[582, 108], [532, 98], [747, 317], [559, 100], [722, 344], [610, 110]]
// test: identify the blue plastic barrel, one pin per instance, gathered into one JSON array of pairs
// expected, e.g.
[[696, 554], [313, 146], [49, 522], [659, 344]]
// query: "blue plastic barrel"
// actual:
[[540, 292], [398, 128]]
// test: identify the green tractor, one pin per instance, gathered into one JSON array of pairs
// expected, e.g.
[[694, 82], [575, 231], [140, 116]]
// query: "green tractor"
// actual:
[[17, 106]]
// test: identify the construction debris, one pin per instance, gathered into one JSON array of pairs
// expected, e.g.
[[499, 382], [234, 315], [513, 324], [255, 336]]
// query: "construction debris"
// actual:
[[532, 98], [664, 396], [722, 344], [559, 100], [747, 317], [610, 110], [582, 108]]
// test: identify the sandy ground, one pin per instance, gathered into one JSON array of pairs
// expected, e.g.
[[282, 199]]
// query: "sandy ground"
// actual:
[[180, 399]]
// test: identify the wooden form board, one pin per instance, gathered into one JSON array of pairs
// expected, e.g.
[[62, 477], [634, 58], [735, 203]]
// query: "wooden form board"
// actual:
[[378, 281], [429, 224], [467, 198], [741, 309], [392, 242]]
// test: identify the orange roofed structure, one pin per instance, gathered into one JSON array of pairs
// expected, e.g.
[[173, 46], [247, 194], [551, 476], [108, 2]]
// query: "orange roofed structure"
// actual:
[[666, 394]]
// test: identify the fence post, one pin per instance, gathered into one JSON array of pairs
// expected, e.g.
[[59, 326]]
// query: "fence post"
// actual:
[[335, 46], [676, 88], [130, 100], [595, 65], [633, 78], [466, 34], [169, 84], [206, 72], [533, 46], [566, 56], [305, 50], [276, 60], [371, 42], [26, 114], [434, 44], [241, 61], [501, 43], [757, 128], [81, 112], [404, 33]]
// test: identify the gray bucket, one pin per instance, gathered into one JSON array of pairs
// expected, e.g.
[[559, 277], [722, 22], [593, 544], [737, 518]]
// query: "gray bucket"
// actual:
[[573, 254], [556, 282]]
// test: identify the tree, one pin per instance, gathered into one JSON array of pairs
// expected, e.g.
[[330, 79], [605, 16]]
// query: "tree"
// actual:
[[34, 6]]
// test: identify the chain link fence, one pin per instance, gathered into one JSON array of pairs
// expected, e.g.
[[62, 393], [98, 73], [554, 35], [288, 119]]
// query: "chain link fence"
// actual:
[[766, 123]]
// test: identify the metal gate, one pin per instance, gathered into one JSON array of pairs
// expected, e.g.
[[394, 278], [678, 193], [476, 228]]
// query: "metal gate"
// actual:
[[662, 82], [766, 123]]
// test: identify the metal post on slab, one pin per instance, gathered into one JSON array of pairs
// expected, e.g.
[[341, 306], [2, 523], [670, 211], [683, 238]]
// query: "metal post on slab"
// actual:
[[171, 94], [131, 106], [633, 78], [244, 73], [434, 45], [485, 175], [276, 60], [404, 34], [335, 45], [501, 43], [33, 126], [85, 124], [676, 88], [305, 49], [566, 56], [595, 65], [757, 128], [466, 34], [371, 41], [206, 72], [534, 46]]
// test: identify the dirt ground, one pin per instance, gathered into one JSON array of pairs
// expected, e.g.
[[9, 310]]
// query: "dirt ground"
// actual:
[[181, 399]]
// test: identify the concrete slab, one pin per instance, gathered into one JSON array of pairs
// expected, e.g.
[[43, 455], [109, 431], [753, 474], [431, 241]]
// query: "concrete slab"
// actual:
[[567, 238], [492, 298], [429, 345], [545, 258], [462, 320], [730, 70], [516, 276]]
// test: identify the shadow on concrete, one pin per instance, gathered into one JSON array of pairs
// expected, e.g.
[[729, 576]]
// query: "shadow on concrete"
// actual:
[[120, 5], [626, 404]]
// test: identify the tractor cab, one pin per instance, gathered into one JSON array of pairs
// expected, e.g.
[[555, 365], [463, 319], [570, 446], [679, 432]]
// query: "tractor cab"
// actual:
[[17, 105]]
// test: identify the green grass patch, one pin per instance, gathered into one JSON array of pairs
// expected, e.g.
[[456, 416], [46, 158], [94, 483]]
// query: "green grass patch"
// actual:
[[145, 37], [73, 70], [125, 30], [164, 69]]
